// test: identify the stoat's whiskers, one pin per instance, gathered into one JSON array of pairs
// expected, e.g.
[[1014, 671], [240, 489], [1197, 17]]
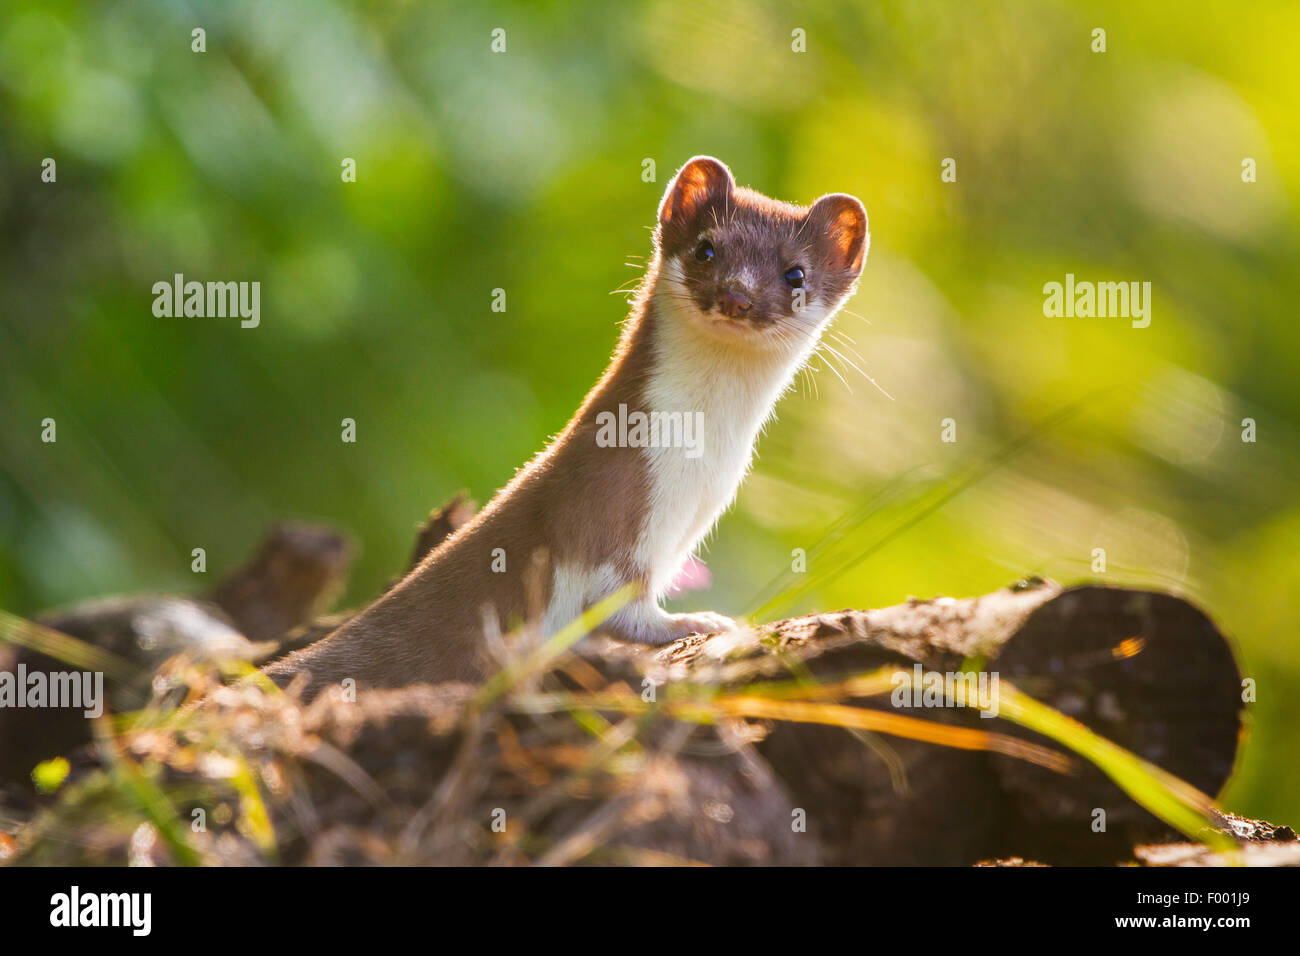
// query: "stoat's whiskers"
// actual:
[[836, 360]]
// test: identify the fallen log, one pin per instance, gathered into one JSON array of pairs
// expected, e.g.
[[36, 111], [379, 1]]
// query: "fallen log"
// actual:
[[293, 575], [417, 775], [1146, 670]]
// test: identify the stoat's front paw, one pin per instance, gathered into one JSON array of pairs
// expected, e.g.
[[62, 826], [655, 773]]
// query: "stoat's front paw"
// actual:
[[699, 622], [651, 624]]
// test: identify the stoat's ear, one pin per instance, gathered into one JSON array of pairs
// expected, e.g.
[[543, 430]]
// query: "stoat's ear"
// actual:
[[701, 181], [840, 220]]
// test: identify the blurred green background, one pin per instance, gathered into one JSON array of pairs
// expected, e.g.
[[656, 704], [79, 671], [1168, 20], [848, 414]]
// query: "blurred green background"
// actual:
[[523, 171]]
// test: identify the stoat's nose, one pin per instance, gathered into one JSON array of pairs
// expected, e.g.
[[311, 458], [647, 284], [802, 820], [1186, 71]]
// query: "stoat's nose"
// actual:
[[733, 304]]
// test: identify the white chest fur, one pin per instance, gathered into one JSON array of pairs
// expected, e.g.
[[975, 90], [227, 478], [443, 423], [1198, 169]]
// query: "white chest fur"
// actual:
[[734, 391]]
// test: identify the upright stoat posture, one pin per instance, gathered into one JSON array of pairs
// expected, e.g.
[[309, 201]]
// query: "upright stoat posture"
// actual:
[[732, 305]]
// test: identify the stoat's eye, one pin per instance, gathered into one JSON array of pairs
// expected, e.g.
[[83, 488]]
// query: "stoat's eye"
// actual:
[[794, 278], [704, 251]]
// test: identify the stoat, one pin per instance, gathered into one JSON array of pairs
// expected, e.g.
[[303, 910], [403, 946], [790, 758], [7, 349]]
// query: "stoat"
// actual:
[[732, 304]]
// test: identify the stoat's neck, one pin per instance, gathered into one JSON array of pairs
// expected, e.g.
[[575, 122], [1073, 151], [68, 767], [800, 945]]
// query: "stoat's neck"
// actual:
[[734, 387], [695, 370]]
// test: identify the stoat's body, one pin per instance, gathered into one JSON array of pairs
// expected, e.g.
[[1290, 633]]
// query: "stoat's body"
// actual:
[[731, 307]]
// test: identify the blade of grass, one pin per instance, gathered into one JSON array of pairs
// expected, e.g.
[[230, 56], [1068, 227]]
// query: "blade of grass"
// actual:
[[138, 789], [938, 498], [62, 647], [725, 706], [1173, 800], [537, 661], [252, 808], [847, 522]]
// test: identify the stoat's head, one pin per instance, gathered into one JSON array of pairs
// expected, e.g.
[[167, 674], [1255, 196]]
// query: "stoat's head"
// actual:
[[750, 269]]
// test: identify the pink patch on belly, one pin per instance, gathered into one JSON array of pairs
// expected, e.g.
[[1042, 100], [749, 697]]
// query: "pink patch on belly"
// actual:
[[693, 576]]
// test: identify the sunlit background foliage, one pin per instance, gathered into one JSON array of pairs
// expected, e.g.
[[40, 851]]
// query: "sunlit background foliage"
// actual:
[[522, 171]]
